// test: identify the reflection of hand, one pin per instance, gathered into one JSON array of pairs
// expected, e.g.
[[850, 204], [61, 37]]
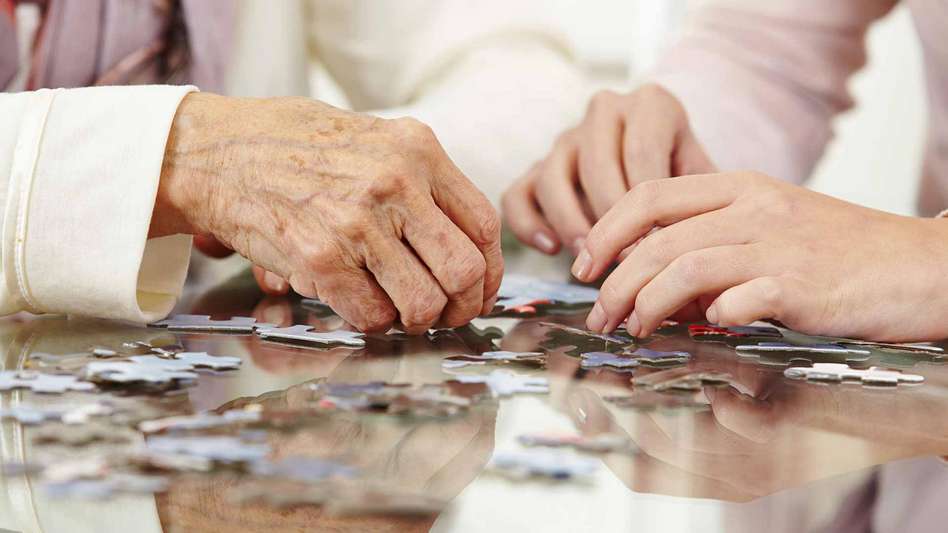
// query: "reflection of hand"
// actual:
[[435, 457], [761, 248], [785, 434], [623, 141], [369, 215]]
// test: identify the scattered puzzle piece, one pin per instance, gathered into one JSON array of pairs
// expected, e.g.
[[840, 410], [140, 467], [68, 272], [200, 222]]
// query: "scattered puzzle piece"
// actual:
[[840, 373], [307, 469], [218, 448], [237, 324], [698, 331], [618, 363], [203, 360], [42, 383], [783, 354], [144, 370], [503, 383], [106, 487], [305, 334]]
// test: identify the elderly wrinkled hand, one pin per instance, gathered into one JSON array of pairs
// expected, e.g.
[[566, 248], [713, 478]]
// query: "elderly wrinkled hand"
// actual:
[[368, 215], [751, 247], [624, 140]]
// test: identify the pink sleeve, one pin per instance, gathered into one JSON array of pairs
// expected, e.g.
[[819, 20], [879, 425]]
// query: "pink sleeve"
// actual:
[[762, 81]]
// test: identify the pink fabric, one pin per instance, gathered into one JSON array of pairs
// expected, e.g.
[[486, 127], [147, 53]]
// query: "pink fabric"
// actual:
[[117, 42], [763, 80]]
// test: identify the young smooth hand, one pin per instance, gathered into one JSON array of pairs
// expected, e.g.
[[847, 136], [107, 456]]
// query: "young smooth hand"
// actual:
[[740, 247], [368, 215], [624, 140]]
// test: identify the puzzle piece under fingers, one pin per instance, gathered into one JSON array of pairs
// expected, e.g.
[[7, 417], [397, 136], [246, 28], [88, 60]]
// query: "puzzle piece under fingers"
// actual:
[[649, 357], [305, 334], [203, 360], [503, 383], [528, 358], [841, 373], [42, 383], [560, 336], [712, 332], [522, 294], [195, 323]]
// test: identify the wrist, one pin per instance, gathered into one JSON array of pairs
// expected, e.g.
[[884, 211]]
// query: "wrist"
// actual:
[[191, 169]]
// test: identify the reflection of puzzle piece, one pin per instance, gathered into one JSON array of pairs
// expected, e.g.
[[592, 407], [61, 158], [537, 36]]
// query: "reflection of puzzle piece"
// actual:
[[201, 421], [529, 358], [307, 469], [658, 358], [219, 448], [42, 383], [303, 333], [839, 373], [699, 331], [70, 415], [107, 487], [550, 465], [694, 382], [476, 339], [612, 361], [783, 354], [237, 324], [504, 383], [649, 400], [214, 362]]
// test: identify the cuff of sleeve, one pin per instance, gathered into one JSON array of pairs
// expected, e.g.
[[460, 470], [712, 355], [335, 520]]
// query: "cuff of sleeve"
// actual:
[[82, 190]]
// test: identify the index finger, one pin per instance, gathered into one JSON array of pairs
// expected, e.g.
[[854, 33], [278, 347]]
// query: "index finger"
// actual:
[[470, 210], [648, 205]]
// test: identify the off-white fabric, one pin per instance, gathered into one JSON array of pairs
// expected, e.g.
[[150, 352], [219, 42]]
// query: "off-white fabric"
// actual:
[[79, 171]]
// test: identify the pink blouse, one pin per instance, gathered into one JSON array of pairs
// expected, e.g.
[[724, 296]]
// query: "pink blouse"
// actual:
[[763, 80]]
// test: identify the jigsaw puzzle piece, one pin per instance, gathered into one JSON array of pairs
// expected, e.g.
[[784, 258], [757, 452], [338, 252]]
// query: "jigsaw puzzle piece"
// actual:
[[617, 363], [43, 383], [782, 354], [658, 358], [842, 373], [305, 334], [721, 333], [204, 323], [504, 383]]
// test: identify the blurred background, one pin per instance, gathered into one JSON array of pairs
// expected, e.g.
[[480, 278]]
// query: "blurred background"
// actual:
[[875, 158]]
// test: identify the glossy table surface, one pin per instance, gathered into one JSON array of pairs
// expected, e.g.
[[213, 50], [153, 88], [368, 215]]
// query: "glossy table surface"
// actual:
[[764, 453]]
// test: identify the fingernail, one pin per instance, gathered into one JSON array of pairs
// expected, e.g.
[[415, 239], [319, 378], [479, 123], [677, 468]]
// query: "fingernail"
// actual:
[[276, 314], [596, 321], [632, 325], [578, 245], [710, 393], [712, 314], [544, 242], [582, 265], [274, 282]]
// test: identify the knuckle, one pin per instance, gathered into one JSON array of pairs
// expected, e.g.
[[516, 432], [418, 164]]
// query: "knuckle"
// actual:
[[384, 188], [377, 319], [488, 230], [691, 269], [467, 273], [425, 311], [644, 194], [354, 225], [417, 134], [320, 259], [770, 291], [565, 141]]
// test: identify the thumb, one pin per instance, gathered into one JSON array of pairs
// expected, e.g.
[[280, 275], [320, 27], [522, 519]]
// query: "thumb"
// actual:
[[691, 158]]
